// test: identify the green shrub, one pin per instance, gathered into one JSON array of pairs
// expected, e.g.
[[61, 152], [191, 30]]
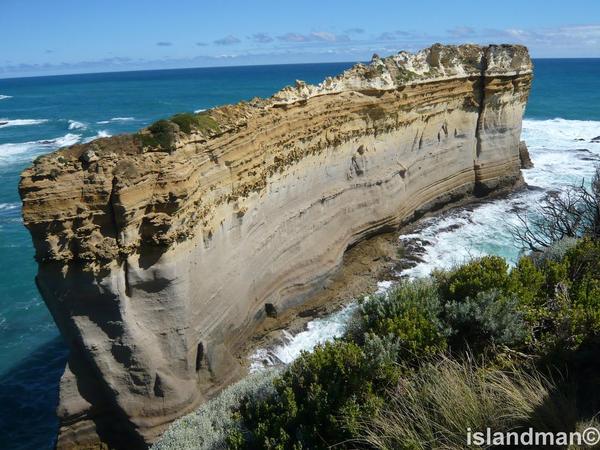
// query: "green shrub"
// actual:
[[436, 406], [162, 134], [319, 401], [584, 272], [527, 281], [555, 252], [491, 317], [189, 121], [209, 427], [411, 313], [185, 121], [565, 311], [479, 275], [205, 122]]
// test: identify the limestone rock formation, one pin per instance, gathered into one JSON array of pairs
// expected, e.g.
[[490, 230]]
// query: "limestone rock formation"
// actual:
[[159, 252], [526, 162]]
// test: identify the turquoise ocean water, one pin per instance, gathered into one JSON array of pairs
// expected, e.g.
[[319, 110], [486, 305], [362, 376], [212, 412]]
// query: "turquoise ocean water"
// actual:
[[44, 113]]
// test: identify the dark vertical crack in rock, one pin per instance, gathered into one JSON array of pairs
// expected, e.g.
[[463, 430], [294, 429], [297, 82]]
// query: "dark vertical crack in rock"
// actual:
[[115, 224], [484, 66]]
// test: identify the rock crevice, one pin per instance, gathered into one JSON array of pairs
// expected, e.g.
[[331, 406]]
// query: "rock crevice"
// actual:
[[159, 251]]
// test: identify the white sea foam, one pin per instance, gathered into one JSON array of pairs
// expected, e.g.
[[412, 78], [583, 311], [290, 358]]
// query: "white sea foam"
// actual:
[[455, 237], [11, 153], [66, 140], [4, 97], [562, 153], [200, 110], [100, 134], [75, 125], [8, 206], [317, 332], [4, 123], [116, 119]]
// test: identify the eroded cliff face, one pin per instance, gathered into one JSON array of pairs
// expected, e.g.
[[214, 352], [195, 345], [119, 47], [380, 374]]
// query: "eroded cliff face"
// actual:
[[159, 252]]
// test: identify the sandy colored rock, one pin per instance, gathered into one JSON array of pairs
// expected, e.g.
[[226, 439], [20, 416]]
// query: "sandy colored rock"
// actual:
[[526, 162], [158, 251]]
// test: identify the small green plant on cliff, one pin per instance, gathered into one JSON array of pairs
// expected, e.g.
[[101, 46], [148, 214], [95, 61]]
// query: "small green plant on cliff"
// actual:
[[161, 134], [490, 318], [405, 76], [189, 121]]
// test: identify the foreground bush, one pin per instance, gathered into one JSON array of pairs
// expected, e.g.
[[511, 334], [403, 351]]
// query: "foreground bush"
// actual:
[[410, 313], [208, 428], [435, 407], [318, 402], [490, 318]]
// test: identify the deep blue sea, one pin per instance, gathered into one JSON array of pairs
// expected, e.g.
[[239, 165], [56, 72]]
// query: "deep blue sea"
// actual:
[[45, 113]]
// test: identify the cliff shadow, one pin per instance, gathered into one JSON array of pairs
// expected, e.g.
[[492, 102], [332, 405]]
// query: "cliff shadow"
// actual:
[[29, 397]]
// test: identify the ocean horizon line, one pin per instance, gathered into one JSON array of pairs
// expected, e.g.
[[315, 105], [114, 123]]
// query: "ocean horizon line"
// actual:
[[172, 69]]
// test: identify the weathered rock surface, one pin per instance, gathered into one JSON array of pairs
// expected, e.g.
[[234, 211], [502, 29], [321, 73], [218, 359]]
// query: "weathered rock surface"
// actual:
[[158, 252], [526, 162]]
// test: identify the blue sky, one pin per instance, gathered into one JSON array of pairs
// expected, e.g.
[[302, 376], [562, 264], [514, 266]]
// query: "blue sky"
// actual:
[[66, 36]]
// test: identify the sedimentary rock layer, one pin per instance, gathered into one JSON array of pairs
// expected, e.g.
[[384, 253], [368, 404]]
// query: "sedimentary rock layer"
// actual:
[[159, 252]]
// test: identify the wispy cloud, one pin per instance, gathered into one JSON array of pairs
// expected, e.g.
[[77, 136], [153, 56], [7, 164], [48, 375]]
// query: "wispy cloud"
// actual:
[[387, 36], [322, 45], [228, 40], [293, 37], [402, 35], [354, 31], [261, 38], [461, 32], [315, 36], [575, 40]]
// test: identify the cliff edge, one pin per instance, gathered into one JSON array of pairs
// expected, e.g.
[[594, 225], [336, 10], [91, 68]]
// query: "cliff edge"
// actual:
[[160, 251]]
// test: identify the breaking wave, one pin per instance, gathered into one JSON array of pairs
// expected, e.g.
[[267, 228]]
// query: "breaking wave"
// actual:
[[20, 122], [116, 119], [75, 125], [11, 153], [8, 206], [100, 134]]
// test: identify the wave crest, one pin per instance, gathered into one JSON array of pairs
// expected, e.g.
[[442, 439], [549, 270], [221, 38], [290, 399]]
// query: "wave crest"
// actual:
[[116, 119], [4, 123], [18, 152], [75, 125]]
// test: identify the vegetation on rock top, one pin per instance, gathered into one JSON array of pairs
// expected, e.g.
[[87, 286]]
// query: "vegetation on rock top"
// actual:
[[162, 134]]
